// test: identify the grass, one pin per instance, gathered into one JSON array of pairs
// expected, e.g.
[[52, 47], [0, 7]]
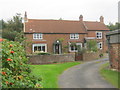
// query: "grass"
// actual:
[[110, 75], [50, 72]]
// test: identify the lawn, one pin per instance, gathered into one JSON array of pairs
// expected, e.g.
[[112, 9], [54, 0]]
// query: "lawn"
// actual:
[[50, 72], [110, 76]]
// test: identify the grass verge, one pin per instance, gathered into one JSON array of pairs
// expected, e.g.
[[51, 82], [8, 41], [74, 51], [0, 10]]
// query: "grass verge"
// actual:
[[110, 75], [50, 72]]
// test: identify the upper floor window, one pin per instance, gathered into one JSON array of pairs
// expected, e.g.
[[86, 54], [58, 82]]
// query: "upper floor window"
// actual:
[[74, 36], [37, 36], [99, 35]]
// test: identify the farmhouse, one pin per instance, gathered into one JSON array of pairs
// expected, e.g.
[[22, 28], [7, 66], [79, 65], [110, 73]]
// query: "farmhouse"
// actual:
[[56, 36]]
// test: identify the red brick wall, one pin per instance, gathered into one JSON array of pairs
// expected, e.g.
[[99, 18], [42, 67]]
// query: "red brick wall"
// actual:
[[114, 51], [49, 39], [103, 40]]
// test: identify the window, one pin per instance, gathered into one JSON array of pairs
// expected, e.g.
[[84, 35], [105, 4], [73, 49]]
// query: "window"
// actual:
[[37, 36], [40, 47], [74, 47], [99, 45], [74, 36], [99, 35]]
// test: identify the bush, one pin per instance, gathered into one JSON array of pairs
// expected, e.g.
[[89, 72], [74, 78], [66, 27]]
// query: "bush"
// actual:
[[43, 53], [101, 55], [15, 72]]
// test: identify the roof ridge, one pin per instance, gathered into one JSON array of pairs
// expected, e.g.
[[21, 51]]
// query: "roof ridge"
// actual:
[[54, 20]]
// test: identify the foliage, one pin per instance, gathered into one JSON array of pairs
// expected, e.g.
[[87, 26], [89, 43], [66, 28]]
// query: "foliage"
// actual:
[[101, 55], [51, 72], [114, 26], [15, 70], [12, 27], [92, 46], [43, 53]]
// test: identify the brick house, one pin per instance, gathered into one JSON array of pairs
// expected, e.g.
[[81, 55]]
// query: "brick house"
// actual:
[[56, 36]]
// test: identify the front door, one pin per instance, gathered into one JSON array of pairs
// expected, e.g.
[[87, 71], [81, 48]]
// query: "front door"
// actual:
[[57, 49]]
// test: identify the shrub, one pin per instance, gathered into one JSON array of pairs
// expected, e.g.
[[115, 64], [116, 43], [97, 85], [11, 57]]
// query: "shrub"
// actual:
[[43, 53], [101, 55], [15, 72], [92, 46]]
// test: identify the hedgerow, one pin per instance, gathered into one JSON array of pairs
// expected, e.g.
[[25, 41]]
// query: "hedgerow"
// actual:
[[15, 70]]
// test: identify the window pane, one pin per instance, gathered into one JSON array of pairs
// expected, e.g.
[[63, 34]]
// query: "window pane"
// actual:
[[72, 48], [39, 48], [43, 48], [35, 48]]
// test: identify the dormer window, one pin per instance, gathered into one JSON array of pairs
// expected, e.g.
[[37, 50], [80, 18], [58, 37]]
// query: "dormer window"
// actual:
[[74, 36], [99, 35], [37, 36]]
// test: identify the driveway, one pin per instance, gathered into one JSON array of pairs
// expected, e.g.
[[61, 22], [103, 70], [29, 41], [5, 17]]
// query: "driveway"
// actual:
[[85, 75]]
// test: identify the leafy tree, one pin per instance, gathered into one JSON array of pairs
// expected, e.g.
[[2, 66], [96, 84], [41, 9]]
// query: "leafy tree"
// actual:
[[92, 45], [114, 26], [12, 27]]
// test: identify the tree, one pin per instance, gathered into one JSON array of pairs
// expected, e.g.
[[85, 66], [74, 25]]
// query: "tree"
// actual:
[[114, 26], [12, 27], [92, 46]]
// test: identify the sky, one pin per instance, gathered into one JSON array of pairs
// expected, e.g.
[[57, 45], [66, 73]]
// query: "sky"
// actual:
[[65, 9]]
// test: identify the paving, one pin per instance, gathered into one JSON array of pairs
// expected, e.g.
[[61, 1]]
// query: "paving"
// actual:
[[85, 75]]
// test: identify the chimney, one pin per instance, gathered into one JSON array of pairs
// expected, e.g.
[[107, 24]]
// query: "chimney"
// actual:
[[101, 19], [25, 17], [81, 18]]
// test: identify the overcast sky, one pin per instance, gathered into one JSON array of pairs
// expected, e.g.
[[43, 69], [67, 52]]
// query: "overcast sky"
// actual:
[[65, 9]]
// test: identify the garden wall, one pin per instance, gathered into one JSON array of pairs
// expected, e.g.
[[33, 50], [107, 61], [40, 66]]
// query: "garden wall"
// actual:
[[45, 59], [87, 56]]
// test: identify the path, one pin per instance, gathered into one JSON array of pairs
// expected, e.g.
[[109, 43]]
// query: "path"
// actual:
[[85, 75]]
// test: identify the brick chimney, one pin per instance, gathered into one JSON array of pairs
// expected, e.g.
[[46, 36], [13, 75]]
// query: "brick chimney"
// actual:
[[25, 17], [101, 19], [81, 18]]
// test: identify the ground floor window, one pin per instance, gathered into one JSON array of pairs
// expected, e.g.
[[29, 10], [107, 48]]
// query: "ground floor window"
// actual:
[[40, 47], [73, 47], [99, 44]]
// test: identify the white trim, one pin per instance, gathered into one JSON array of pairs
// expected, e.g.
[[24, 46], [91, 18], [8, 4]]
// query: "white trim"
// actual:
[[39, 45], [98, 44], [100, 36], [74, 50], [37, 36], [74, 36]]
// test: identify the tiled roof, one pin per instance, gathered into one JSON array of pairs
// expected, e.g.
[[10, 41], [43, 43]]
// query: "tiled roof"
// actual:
[[62, 26], [95, 25], [54, 26]]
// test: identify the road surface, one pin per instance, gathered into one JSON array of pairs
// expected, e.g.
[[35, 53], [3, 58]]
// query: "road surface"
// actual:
[[85, 75]]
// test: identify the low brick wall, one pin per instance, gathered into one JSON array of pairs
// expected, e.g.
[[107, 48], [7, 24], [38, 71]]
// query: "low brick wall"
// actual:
[[91, 56], [45, 59], [87, 56]]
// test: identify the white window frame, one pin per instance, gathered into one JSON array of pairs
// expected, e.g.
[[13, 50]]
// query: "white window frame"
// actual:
[[39, 45], [37, 36], [98, 45], [74, 36], [99, 35], [74, 48]]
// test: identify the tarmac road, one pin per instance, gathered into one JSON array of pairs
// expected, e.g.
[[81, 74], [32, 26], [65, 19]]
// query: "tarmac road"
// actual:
[[85, 75]]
